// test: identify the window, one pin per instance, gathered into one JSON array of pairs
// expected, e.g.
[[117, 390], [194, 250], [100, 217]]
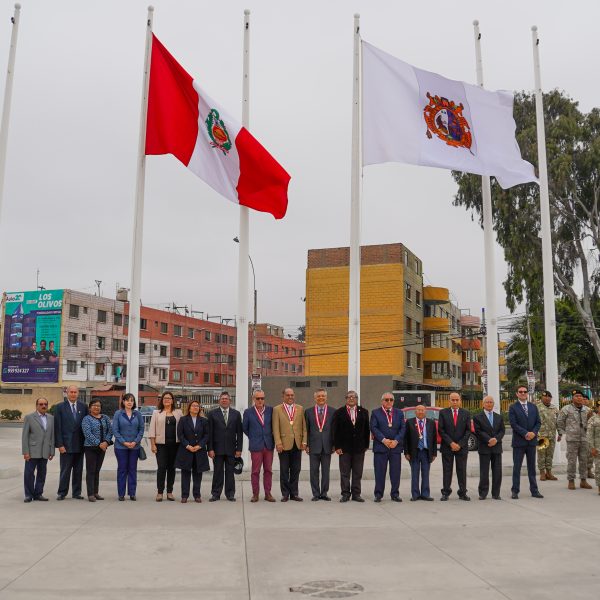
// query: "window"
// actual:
[[229, 379], [418, 328], [177, 330], [83, 337], [82, 364], [118, 319], [231, 340], [142, 348], [419, 366], [125, 345], [330, 383], [164, 327], [163, 351], [408, 325], [100, 368], [276, 348], [101, 316], [409, 359], [189, 376], [406, 257], [100, 343], [418, 297], [408, 291], [85, 310], [72, 366], [293, 368], [275, 366], [126, 320], [191, 333], [162, 374], [176, 375], [207, 336], [143, 324], [217, 377], [154, 371], [177, 352], [117, 345], [417, 267], [74, 311], [190, 354], [286, 350], [71, 339], [285, 366], [142, 372], [206, 377], [300, 384], [207, 357]]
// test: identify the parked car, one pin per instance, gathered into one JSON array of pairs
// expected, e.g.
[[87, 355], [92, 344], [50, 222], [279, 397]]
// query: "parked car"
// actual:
[[433, 412]]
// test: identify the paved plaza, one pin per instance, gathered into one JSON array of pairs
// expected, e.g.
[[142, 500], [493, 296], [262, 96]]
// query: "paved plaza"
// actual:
[[526, 549]]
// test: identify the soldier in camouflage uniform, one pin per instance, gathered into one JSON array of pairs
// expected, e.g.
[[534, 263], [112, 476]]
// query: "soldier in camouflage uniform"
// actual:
[[548, 416], [573, 421], [593, 439]]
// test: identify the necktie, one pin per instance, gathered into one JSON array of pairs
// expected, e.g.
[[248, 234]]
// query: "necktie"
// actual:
[[491, 418], [525, 408], [320, 411], [421, 445], [225, 415], [389, 413], [455, 416], [74, 410]]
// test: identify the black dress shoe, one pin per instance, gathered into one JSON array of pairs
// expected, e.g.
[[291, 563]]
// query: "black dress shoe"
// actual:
[[514, 496], [357, 499], [213, 499], [285, 498], [326, 498], [536, 495], [465, 498], [80, 497], [60, 497], [482, 497], [99, 497], [132, 498], [296, 499], [41, 499], [27, 499], [415, 499], [344, 498], [496, 498], [444, 498], [396, 499], [377, 499], [121, 498], [231, 498], [427, 498], [315, 498]]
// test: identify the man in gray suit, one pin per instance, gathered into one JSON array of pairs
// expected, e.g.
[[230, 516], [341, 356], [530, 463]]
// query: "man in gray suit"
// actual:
[[320, 444], [37, 444]]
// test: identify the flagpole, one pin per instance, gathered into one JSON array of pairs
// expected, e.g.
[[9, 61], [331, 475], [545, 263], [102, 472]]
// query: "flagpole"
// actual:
[[547, 265], [491, 350], [241, 371], [133, 354], [354, 301], [7, 99]]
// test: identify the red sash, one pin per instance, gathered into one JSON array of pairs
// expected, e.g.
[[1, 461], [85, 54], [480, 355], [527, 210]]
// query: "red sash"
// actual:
[[321, 424], [389, 417], [260, 415], [350, 414], [290, 412]]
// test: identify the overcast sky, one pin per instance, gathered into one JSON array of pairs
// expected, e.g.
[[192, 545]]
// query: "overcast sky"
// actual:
[[70, 173]]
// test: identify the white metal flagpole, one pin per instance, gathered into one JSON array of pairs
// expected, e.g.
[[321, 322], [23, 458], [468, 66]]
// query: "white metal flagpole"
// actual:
[[354, 301], [241, 370], [547, 265], [133, 349], [491, 350], [7, 99]]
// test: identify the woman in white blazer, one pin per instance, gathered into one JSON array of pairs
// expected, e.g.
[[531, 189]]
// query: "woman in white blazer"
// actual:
[[164, 443]]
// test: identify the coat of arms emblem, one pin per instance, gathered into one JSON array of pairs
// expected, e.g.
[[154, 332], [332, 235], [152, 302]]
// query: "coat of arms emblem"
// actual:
[[444, 119], [217, 131]]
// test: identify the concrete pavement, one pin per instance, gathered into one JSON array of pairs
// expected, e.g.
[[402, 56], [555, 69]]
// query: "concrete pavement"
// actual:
[[486, 550]]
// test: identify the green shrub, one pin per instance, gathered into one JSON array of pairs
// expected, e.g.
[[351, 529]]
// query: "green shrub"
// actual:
[[10, 415]]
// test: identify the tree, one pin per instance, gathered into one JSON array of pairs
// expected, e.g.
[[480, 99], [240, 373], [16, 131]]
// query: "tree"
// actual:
[[301, 337], [573, 148]]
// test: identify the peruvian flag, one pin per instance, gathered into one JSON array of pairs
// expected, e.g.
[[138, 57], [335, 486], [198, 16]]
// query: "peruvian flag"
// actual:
[[185, 122]]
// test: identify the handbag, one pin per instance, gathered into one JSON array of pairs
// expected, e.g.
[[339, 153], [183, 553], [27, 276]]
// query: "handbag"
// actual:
[[142, 454]]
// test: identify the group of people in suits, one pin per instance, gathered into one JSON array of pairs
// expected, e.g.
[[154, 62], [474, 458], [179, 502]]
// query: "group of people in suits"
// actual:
[[187, 442]]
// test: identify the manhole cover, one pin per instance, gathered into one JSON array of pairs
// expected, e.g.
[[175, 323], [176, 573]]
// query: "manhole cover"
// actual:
[[328, 589]]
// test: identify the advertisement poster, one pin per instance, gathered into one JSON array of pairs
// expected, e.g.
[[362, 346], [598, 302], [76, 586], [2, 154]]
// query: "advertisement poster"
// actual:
[[31, 344]]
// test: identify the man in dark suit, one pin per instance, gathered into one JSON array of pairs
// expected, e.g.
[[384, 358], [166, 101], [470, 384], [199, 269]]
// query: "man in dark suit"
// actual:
[[420, 449], [351, 438], [489, 429], [387, 427], [257, 425], [225, 442], [320, 444], [454, 425], [68, 437], [37, 448], [525, 422]]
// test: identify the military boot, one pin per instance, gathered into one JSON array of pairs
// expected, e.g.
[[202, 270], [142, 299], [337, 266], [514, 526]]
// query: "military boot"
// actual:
[[543, 476], [585, 485], [550, 476], [571, 485]]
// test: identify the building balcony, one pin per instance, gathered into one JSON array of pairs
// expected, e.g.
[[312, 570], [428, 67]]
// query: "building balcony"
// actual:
[[471, 367], [503, 377], [435, 295], [444, 383], [436, 324], [502, 345], [436, 355], [502, 361], [470, 344], [470, 321]]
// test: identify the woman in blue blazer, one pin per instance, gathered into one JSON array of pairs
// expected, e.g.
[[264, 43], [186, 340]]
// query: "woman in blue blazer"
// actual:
[[192, 459], [128, 429]]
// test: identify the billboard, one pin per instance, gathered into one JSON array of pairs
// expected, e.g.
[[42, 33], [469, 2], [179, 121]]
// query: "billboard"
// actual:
[[31, 344]]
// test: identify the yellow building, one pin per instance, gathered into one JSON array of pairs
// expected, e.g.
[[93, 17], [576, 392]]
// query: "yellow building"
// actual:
[[391, 312]]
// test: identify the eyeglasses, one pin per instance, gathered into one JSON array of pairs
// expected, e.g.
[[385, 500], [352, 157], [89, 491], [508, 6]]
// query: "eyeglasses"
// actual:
[[522, 392], [388, 399]]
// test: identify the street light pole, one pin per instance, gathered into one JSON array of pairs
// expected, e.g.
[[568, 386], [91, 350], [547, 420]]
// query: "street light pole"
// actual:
[[254, 340]]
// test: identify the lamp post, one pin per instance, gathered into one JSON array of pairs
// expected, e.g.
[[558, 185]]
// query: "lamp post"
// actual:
[[254, 343]]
